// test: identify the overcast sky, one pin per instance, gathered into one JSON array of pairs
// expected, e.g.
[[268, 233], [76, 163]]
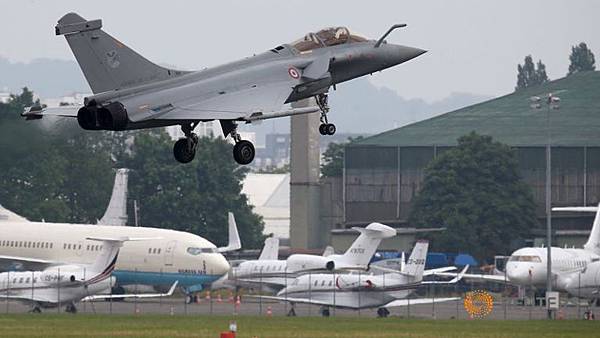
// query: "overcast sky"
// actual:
[[474, 46]]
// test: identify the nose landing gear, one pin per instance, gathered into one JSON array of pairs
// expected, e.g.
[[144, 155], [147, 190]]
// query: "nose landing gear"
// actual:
[[325, 128]]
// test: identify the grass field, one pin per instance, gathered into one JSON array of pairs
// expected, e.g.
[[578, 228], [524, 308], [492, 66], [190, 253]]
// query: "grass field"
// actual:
[[51, 325]]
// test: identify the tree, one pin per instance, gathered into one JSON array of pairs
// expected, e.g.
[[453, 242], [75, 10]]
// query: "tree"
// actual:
[[529, 76], [582, 59], [194, 197], [333, 158], [474, 190]]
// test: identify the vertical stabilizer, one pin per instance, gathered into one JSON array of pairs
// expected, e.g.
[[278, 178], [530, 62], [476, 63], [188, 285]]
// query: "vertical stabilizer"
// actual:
[[105, 61], [593, 242], [415, 266], [116, 213], [234, 242], [270, 251], [363, 248]]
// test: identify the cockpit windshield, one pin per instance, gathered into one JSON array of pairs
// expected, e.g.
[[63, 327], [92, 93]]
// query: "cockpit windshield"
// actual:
[[325, 38]]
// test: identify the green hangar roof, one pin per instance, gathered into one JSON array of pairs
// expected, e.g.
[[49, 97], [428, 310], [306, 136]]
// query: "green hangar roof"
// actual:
[[511, 119]]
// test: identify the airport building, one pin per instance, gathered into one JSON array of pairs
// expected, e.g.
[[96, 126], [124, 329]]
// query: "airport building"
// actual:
[[384, 173]]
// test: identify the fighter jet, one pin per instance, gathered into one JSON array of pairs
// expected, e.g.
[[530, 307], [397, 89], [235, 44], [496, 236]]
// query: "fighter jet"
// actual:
[[130, 92]]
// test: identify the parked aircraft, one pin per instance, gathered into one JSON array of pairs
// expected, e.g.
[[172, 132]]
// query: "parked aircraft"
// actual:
[[528, 267], [130, 92], [270, 273], [362, 290], [66, 283], [169, 257]]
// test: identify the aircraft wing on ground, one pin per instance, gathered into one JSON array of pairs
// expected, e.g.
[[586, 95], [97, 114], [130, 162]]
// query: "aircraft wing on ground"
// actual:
[[132, 295], [417, 301], [292, 300], [479, 277], [25, 263]]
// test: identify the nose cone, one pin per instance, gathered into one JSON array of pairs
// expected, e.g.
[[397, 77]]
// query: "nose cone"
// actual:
[[397, 54], [220, 265]]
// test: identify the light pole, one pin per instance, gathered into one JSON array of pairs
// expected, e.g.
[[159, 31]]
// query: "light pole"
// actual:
[[552, 102]]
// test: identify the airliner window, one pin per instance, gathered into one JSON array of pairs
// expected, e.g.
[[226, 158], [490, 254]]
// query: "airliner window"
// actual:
[[196, 251]]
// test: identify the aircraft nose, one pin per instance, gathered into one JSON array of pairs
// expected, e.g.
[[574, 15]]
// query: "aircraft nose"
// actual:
[[221, 265], [517, 274], [398, 54]]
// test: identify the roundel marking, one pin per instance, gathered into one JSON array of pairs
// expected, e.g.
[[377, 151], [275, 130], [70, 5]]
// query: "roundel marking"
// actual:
[[293, 73]]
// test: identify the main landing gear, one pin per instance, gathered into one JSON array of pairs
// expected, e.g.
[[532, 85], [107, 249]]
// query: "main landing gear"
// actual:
[[70, 308], [325, 128], [243, 150], [185, 148]]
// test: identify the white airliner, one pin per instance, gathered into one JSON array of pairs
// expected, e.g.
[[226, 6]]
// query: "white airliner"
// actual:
[[169, 257], [273, 274], [527, 266], [360, 290], [68, 283]]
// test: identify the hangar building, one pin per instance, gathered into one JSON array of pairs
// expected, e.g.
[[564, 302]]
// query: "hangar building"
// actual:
[[383, 173]]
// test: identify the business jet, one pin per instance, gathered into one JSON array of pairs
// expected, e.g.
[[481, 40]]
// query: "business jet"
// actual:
[[363, 290], [273, 274], [67, 283], [528, 266]]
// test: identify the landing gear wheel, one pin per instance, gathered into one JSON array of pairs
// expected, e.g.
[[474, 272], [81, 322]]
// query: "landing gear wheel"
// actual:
[[184, 150], [383, 312], [189, 299], [243, 152], [322, 129], [330, 128], [70, 308], [325, 312]]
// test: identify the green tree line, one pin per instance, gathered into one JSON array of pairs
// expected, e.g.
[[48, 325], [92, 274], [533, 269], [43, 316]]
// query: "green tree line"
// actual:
[[53, 170]]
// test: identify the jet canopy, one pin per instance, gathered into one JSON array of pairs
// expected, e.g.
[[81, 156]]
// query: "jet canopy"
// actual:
[[325, 38]]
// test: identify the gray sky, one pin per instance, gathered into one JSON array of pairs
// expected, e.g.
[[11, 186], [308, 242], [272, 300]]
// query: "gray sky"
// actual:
[[474, 46]]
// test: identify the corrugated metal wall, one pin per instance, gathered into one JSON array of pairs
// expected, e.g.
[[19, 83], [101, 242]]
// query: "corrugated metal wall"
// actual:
[[380, 183]]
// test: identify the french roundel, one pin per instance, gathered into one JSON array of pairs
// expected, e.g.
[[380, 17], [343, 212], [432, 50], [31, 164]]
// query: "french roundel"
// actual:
[[293, 73]]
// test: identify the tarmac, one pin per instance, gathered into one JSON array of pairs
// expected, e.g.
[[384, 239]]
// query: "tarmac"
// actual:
[[508, 310]]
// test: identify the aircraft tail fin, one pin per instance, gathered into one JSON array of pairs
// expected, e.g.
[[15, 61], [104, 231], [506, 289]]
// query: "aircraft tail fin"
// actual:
[[363, 248], [415, 266], [116, 212], [105, 262], [106, 62], [593, 242], [270, 251], [234, 242]]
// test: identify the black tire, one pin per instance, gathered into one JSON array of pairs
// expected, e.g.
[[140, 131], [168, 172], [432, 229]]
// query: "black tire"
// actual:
[[325, 313], [182, 152], [243, 152], [330, 128], [322, 129], [189, 299]]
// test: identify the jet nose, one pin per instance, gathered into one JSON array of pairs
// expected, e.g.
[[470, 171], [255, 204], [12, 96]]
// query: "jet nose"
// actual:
[[221, 265], [399, 54], [518, 274]]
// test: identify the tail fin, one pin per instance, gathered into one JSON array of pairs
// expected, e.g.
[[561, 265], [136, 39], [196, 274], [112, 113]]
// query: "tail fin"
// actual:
[[106, 62], [362, 250], [116, 213], [270, 251], [234, 242], [415, 266], [107, 259], [593, 242]]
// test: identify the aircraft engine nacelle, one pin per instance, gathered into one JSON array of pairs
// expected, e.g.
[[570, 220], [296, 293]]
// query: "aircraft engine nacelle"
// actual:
[[111, 116], [300, 262], [64, 275]]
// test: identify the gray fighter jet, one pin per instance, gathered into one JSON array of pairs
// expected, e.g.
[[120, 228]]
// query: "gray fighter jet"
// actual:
[[130, 92]]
